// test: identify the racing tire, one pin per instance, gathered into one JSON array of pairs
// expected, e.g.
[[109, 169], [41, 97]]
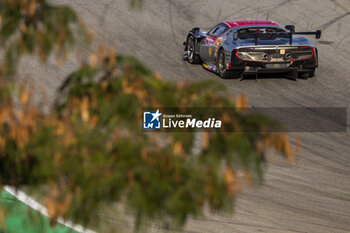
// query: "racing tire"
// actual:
[[221, 67], [192, 56]]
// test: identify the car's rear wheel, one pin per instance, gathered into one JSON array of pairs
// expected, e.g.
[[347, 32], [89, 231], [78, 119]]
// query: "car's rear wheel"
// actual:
[[307, 75], [192, 56], [312, 73], [221, 67]]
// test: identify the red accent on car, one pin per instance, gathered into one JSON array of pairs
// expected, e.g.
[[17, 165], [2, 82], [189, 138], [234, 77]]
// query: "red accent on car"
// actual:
[[236, 23], [306, 47]]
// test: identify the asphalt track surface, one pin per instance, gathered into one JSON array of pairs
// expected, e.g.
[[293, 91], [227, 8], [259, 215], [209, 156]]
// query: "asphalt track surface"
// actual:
[[310, 195]]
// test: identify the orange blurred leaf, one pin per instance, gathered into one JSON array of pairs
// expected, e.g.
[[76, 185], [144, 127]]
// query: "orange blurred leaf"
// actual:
[[93, 60], [178, 149], [241, 103]]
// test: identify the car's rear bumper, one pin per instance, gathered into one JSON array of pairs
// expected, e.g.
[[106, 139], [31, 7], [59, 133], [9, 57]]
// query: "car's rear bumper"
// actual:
[[300, 66], [260, 70]]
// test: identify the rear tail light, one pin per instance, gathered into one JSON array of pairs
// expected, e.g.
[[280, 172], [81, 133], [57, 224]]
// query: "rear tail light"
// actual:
[[304, 47], [308, 52]]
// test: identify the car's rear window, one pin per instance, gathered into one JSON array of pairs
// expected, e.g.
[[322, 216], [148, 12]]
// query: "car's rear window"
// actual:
[[259, 29], [246, 33]]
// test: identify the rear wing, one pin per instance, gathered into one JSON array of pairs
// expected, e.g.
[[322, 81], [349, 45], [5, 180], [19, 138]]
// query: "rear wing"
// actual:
[[273, 35]]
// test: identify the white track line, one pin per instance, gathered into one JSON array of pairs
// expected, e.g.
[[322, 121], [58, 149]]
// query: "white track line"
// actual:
[[41, 209]]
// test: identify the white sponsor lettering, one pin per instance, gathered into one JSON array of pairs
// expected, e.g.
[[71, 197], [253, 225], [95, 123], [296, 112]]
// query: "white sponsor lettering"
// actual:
[[191, 123]]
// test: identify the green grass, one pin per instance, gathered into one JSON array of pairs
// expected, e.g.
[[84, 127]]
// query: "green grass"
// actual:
[[18, 218]]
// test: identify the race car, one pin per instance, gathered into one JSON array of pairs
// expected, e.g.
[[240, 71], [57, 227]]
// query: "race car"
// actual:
[[235, 48]]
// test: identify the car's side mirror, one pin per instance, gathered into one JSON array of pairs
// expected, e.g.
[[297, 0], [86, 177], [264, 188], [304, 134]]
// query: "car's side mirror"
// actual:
[[290, 28]]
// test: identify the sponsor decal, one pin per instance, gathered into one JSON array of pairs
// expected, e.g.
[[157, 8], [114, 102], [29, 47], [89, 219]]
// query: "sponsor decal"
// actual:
[[209, 40], [209, 67]]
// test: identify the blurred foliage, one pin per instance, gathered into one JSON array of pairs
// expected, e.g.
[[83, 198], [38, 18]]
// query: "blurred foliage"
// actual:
[[37, 27], [90, 150]]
